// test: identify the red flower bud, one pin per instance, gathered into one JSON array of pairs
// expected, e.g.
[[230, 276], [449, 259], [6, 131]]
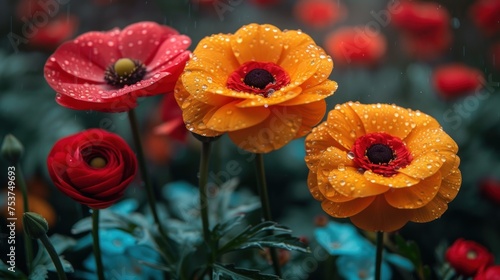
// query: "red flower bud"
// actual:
[[455, 80], [468, 257], [490, 188]]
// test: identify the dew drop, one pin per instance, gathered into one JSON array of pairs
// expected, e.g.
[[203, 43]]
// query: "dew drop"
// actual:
[[350, 155]]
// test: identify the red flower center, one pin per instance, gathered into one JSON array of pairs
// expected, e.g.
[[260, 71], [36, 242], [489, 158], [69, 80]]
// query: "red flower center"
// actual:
[[381, 153], [94, 157], [124, 72], [262, 78], [471, 255]]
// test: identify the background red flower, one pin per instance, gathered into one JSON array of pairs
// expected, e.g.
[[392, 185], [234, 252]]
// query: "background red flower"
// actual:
[[454, 80], [490, 273], [468, 257], [93, 167]]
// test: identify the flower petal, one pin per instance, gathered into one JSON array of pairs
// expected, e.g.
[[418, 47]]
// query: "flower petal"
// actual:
[[312, 183], [398, 180], [431, 211], [349, 182], [170, 53], [380, 216], [318, 141], [423, 166], [194, 112], [141, 40], [229, 117], [332, 158], [271, 134], [99, 48], [390, 119], [451, 185], [346, 209], [256, 42], [434, 139], [313, 94], [207, 59], [69, 64], [278, 97], [415, 196], [345, 126], [302, 59], [312, 114]]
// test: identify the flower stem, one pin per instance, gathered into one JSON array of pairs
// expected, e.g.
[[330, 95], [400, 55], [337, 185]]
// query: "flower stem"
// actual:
[[96, 246], [54, 256], [266, 208], [378, 256], [28, 244], [205, 153], [147, 181]]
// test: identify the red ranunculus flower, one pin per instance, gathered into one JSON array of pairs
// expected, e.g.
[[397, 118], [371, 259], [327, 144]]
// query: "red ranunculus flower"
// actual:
[[93, 167], [495, 55], [486, 16], [490, 188], [490, 273], [468, 257], [108, 71], [457, 79], [353, 45], [424, 26], [319, 13]]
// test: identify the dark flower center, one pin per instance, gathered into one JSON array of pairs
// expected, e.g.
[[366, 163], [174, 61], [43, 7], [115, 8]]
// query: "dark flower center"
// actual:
[[124, 72], [258, 78], [98, 162], [471, 255], [380, 154]]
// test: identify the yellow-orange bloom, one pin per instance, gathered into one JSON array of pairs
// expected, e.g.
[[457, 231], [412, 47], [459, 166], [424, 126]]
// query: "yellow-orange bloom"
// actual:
[[262, 86], [382, 166]]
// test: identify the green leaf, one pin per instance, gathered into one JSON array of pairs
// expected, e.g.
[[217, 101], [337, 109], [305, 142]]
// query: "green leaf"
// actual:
[[410, 250], [42, 260], [222, 229], [220, 272], [265, 234]]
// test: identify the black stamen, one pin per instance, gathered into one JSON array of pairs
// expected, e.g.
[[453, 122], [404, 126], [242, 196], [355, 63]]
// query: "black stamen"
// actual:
[[379, 154], [258, 78]]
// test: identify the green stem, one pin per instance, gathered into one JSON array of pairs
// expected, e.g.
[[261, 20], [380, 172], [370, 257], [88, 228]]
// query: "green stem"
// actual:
[[28, 243], [96, 246], [266, 208], [205, 153], [147, 181], [54, 256], [378, 257]]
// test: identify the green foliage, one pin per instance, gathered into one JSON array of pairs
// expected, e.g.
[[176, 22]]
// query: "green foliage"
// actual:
[[410, 250], [230, 272]]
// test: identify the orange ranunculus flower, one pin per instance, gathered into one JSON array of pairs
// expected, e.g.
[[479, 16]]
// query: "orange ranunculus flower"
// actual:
[[382, 166], [263, 86]]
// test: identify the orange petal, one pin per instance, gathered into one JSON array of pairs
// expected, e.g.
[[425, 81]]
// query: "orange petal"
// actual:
[[256, 42], [431, 211], [346, 209], [229, 117], [312, 114], [327, 189], [195, 82], [344, 125], [415, 196], [313, 94], [349, 182], [434, 139], [278, 97], [398, 180], [302, 59], [214, 58], [422, 122], [390, 119], [312, 183], [451, 185], [271, 134], [316, 142], [423, 166], [450, 162], [193, 112], [380, 216]]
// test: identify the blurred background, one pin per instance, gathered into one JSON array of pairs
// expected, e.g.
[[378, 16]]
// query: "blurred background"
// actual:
[[440, 57]]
